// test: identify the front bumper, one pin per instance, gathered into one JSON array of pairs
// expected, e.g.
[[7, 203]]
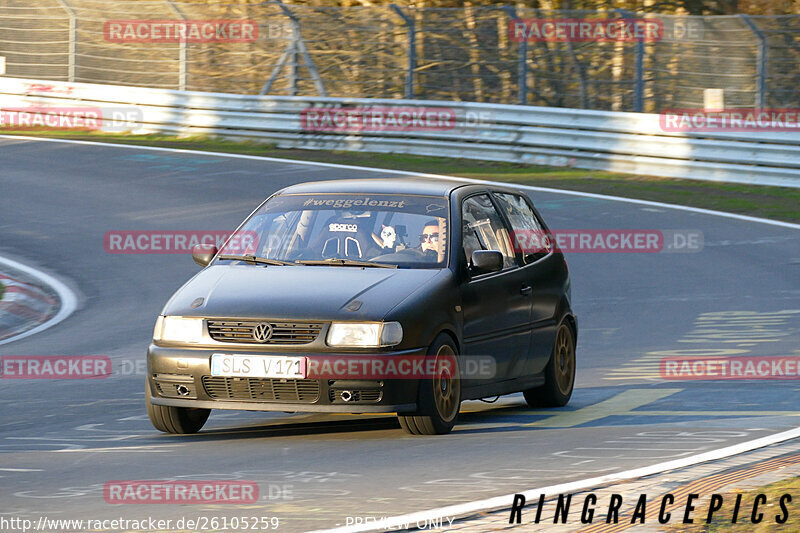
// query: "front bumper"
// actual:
[[181, 377]]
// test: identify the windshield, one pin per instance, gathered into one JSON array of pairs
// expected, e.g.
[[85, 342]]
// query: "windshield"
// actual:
[[349, 229]]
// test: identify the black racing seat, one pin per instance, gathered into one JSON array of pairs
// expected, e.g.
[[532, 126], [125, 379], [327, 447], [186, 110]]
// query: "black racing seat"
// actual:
[[349, 238]]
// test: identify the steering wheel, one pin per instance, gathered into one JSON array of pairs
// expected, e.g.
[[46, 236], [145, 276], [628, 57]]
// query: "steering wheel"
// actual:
[[406, 255]]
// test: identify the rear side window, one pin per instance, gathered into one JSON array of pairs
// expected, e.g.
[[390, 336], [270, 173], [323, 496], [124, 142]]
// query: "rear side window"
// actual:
[[484, 229], [527, 233]]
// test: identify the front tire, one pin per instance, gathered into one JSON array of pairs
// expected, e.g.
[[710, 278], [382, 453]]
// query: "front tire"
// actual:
[[559, 373], [177, 420], [439, 397]]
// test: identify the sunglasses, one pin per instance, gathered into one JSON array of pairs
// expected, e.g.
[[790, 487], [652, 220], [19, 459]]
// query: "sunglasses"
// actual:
[[434, 237]]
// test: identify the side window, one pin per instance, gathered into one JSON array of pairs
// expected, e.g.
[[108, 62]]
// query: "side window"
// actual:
[[527, 233], [483, 229]]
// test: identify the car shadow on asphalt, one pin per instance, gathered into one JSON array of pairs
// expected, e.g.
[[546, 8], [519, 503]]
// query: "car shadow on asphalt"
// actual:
[[290, 429], [508, 416]]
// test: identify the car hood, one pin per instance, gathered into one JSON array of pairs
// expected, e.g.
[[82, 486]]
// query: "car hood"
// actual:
[[296, 292]]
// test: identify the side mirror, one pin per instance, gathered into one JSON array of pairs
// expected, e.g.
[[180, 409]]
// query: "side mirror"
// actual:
[[484, 261], [203, 253]]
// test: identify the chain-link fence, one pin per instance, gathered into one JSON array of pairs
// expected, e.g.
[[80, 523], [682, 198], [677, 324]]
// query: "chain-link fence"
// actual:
[[462, 54]]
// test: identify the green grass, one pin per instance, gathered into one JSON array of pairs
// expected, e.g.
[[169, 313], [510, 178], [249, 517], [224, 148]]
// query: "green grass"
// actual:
[[780, 203], [722, 518], [2, 290]]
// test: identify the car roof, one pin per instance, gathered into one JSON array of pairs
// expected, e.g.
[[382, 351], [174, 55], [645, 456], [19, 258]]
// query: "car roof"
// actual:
[[399, 185]]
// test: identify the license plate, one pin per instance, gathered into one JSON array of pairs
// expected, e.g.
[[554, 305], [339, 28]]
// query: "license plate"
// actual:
[[258, 366]]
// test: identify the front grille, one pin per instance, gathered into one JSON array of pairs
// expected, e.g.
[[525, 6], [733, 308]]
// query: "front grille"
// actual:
[[282, 332], [262, 389]]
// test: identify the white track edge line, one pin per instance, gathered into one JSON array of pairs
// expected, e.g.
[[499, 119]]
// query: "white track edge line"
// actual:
[[698, 210], [502, 502], [68, 299]]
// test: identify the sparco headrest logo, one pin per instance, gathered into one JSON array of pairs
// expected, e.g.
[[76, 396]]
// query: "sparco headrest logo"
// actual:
[[352, 228]]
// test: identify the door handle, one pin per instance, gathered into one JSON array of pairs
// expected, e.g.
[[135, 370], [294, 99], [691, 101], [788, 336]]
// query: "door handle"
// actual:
[[526, 290]]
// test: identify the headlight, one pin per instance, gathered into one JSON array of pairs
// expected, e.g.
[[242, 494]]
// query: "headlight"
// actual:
[[178, 329], [367, 335]]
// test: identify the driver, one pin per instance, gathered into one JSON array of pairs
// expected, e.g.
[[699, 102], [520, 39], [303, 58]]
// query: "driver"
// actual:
[[430, 242]]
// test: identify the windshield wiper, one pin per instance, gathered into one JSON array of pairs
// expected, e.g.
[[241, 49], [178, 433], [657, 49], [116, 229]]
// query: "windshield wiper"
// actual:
[[333, 261], [252, 259]]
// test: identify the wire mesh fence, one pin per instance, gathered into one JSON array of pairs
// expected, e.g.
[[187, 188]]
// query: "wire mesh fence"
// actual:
[[462, 54]]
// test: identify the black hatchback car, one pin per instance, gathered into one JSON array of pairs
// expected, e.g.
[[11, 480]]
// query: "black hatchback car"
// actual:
[[403, 295]]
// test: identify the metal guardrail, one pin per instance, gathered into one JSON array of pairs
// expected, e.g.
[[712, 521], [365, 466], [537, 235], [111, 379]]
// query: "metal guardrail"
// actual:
[[603, 140]]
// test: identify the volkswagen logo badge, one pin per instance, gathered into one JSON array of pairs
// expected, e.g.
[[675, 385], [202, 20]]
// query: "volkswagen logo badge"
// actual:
[[262, 332]]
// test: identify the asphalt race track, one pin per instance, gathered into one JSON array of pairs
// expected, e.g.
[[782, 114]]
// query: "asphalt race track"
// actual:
[[62, 440]]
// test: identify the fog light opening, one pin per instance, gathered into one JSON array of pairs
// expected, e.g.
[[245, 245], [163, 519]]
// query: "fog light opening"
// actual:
[[347, 395], [183, 390]]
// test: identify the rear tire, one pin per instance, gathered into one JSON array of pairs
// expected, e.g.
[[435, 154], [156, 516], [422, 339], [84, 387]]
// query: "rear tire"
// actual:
[[177, 420], [559, 373], [439, 398]]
